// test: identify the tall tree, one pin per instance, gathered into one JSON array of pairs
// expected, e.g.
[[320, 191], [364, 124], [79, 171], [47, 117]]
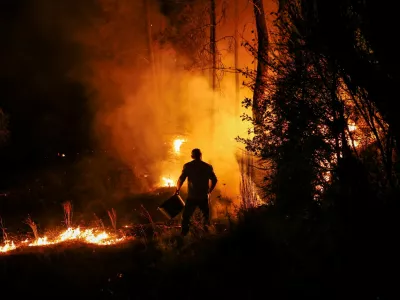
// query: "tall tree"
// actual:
[[150, 47], [213, 53], [305, 132], [237, 80], [262, 60]]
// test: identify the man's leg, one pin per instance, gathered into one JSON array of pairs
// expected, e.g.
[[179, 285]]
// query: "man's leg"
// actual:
[[190, 207], [205, 209]]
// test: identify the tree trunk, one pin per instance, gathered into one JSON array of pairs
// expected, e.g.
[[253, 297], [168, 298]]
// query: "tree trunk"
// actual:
[[237, 83], [262, 53], [150, 46], [214, 63], [212, 44], [161, 58]]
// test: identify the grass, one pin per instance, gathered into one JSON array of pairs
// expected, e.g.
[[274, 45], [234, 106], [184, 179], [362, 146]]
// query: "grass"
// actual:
[[112, 214], [67, 206], [263, 254]]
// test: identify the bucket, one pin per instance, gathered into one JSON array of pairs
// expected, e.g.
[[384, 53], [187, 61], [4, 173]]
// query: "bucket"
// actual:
[[172, 207]]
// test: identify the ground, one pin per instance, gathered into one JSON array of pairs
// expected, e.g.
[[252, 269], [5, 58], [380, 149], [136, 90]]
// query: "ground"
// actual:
[[279, 259], [261, 254]]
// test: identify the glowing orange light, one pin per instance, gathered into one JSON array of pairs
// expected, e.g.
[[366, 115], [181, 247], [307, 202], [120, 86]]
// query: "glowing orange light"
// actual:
[[177, 145], [88, 236], [352, 127], [167, 182]]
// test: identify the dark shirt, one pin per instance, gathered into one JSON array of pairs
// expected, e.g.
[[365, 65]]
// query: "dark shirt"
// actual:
[[198, 174]]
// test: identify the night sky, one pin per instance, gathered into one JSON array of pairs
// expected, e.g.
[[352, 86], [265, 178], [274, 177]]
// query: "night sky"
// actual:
[[49, 110]]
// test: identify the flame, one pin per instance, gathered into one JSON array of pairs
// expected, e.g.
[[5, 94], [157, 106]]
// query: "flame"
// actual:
[[8, 246], [167, 182], [352, 127], [177, 145], [88, 236]]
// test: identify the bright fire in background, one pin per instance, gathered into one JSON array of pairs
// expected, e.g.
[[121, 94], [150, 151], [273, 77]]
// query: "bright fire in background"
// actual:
[[165, 85], [168, 182], [177, 145]]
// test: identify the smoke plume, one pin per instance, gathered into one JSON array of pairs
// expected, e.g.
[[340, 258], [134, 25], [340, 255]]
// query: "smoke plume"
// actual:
[[144, 98]]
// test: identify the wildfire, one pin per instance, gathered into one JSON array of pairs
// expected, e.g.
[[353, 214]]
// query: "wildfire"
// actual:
[[177, 145], [8, 246], [352, 127], [88, 236], [176, 148], [168, 182], [352, 139]]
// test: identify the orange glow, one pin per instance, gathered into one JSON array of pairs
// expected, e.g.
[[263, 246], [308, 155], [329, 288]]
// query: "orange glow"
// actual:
[[146, 92], [8, 246], [177, 145], [88, 236], [167, 182], [354, 138], [352, 127]]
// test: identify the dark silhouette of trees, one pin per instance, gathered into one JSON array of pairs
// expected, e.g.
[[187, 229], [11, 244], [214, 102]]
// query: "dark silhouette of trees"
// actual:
[[316, 118], [258, 105], [329, 132]]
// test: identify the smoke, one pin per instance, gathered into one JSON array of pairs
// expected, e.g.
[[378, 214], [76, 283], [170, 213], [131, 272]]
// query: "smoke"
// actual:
[[140, 93], [144, 98]]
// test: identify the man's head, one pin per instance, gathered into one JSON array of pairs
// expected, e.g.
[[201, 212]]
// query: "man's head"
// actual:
[[196, 154]]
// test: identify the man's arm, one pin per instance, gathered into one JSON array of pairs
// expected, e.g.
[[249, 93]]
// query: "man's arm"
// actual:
[[213, 179], [181, 180]]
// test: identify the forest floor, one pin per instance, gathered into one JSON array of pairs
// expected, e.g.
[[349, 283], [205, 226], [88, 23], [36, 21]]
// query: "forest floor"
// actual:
[[256, 254]]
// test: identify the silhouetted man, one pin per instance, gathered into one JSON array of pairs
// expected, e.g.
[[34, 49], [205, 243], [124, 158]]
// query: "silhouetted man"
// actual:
[[199, 175]]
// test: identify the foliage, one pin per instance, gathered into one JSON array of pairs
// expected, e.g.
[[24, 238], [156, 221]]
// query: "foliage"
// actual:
[[315, 121]]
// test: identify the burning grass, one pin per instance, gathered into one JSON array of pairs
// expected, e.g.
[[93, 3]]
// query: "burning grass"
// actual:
[[93, 235], [89, 236], [68, 214], [112, 214], [8, 245]]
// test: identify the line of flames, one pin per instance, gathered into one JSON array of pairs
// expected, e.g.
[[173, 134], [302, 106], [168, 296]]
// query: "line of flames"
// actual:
[[88, 236]]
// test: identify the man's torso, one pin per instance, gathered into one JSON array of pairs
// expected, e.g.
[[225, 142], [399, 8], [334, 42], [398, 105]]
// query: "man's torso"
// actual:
[[198, 176]]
